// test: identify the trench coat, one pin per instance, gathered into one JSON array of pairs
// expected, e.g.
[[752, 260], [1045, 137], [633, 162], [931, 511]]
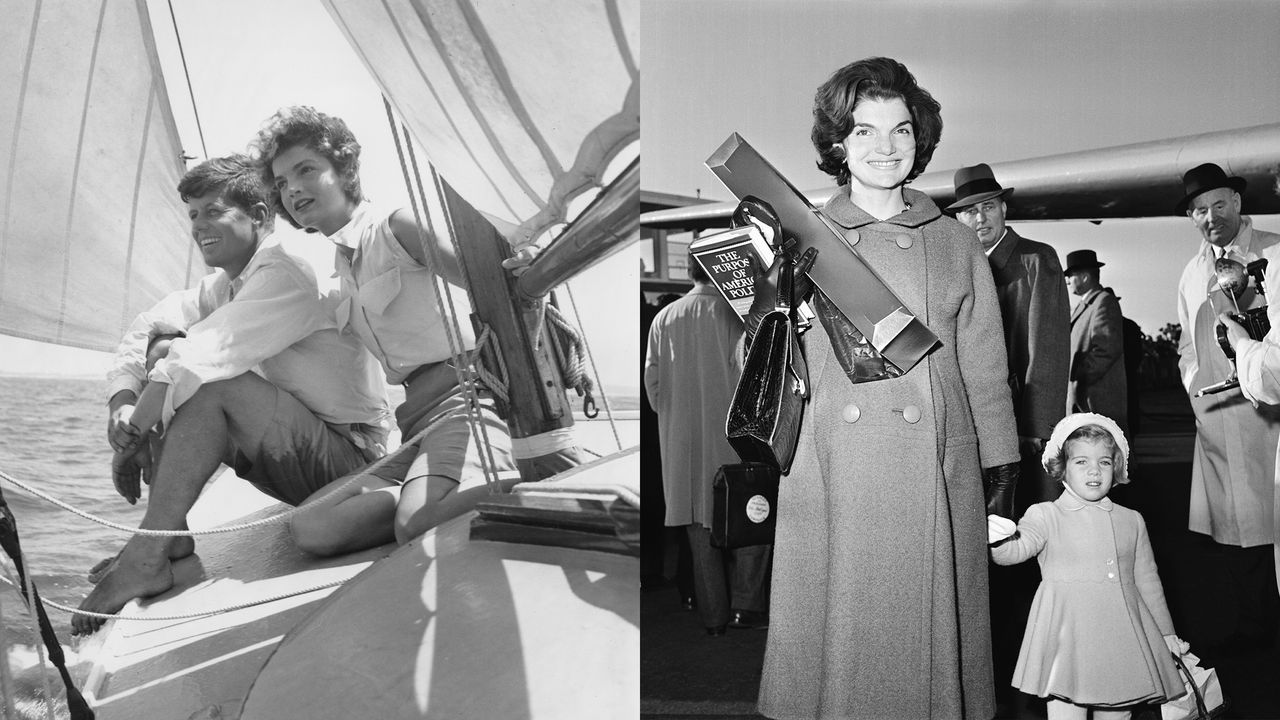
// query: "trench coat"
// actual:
[[879, 596], [1037, 321], [1098, 383], [1233, 466], [692, 366]]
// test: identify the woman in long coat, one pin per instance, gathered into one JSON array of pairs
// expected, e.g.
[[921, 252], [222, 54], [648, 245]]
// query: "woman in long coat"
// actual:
[[879, 604]]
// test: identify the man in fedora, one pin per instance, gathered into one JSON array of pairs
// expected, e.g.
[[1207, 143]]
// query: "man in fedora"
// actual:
[[1034, 312], [1034, 309], [1233, 468], [1097, 381]]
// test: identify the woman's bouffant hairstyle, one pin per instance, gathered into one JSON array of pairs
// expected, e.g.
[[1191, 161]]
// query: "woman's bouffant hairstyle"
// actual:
[[305, 126], [1056, 466], [235, 176], [876, 78]]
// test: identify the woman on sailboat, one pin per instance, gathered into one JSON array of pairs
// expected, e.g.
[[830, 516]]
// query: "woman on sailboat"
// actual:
[[389, 300], [879, 601]]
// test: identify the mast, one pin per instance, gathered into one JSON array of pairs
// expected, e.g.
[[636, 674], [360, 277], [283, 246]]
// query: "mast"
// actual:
[[537, 400]]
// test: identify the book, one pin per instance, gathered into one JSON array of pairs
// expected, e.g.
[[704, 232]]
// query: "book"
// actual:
[[727, 258]]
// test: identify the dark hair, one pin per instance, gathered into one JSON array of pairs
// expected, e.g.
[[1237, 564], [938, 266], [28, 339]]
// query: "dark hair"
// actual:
[[301, 125], [1056, 465], [696, 273], [235, 176], [876, 78]]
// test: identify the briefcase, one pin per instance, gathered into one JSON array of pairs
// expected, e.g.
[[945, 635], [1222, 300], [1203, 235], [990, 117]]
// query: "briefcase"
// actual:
[[745, 505]]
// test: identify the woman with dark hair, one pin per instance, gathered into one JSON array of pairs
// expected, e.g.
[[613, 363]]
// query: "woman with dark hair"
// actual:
[[879, 603]]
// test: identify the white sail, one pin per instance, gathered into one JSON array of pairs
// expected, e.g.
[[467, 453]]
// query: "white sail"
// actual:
[[526, 108], [91, 227]]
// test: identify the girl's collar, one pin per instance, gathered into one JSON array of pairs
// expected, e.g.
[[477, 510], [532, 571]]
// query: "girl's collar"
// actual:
[[1069, 500]]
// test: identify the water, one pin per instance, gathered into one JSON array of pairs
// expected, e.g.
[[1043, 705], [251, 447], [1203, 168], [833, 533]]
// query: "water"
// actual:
[[55, 439]]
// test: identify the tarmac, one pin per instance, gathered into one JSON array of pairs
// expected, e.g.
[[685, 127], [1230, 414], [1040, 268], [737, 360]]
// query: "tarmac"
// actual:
[[687, 675]]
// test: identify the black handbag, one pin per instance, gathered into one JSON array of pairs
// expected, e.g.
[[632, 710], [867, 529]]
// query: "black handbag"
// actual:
[[763, 424], [745, 504]]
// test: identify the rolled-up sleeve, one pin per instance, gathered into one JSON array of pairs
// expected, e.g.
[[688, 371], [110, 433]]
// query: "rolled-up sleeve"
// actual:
[[277, 306], [172, 315]]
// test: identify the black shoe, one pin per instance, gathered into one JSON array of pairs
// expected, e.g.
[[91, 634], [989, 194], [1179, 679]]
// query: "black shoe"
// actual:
[[688, 603], [716, 631], [748, 619]]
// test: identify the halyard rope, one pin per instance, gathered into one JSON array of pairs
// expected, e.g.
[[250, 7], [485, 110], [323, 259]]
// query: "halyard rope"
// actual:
[[595, 369]]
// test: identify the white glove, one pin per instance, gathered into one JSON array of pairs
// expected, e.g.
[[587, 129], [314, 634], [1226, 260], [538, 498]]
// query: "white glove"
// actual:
[[1177, 645], [999, 528]]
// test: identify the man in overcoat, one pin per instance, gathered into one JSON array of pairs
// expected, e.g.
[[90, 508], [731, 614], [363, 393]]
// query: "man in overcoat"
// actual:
[[1097, 381], [691, 369], [1035, 312], [1233, 468]]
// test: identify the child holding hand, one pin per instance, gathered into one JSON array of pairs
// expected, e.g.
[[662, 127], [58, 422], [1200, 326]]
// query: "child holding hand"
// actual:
[[1099, 634]]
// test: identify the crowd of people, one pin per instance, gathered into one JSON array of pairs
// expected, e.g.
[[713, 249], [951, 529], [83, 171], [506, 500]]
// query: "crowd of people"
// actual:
[[896, 589]]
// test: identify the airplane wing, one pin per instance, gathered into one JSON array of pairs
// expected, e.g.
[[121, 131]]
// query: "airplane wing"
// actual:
[[1126, 181]]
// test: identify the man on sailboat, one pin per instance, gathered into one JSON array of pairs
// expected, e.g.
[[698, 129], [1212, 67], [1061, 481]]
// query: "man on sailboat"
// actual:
[[258, 378]]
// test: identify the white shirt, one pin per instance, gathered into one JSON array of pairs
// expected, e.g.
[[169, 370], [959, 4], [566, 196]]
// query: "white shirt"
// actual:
[[271, 319]]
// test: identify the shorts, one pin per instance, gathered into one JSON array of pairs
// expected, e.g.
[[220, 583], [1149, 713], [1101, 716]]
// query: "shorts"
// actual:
[[449, 450], [299, 453]]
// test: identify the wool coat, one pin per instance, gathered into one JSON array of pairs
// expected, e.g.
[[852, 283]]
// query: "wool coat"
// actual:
[[691, 369], [1233, 467], [1037, 329], [1094, 636], [1097, 382], [879, 596]]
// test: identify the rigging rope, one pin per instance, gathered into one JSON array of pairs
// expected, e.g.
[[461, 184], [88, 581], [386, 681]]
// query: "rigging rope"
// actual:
[[595, 370], [190, 90], [462, 364]]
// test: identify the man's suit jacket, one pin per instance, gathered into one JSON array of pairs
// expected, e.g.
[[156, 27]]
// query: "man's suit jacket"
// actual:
[[1036, 316], [1097, 359]]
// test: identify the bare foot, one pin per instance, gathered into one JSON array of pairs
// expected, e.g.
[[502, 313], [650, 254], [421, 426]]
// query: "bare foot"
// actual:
[[131, 575], [179, 547]]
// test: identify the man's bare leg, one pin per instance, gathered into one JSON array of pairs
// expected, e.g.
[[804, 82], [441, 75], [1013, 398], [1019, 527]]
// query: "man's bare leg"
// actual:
[[194, 444]]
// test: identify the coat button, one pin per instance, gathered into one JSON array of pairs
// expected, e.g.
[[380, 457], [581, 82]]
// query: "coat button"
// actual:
[[852, 236], [851, 413], [911, 414], [1111, 576], [903, 241]]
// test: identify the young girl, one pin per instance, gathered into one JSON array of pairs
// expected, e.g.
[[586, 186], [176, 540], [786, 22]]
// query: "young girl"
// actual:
[[388, 299], [1099, 633]]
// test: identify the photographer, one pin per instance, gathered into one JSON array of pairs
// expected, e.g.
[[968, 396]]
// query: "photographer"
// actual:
[[1233, 470]]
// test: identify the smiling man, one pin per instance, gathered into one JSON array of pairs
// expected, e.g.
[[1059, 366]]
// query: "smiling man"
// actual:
[[246, 368], [1233, 470]]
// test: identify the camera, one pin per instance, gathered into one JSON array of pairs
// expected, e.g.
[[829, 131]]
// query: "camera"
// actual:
[[1234, 281]]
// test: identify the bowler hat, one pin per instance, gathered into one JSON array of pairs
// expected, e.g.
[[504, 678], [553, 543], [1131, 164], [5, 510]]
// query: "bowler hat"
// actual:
[[1080, 260], [975, 184], [1203, 178]]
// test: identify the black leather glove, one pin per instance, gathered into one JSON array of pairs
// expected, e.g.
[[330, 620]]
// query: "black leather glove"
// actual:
[[999, 482]]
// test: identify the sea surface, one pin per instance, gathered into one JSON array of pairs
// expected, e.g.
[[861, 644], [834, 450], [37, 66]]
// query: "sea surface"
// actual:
[[53, 437]]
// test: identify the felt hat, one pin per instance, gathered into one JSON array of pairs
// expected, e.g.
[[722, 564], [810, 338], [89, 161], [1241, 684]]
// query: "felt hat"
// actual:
[[975, 184], [1073, 422], [1203, 178], [1081, 259]]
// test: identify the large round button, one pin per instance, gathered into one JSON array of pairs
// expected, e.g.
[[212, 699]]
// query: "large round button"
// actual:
[[1111, 576], [903, 241], [911, 414], [852, 236], [851, 413]]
